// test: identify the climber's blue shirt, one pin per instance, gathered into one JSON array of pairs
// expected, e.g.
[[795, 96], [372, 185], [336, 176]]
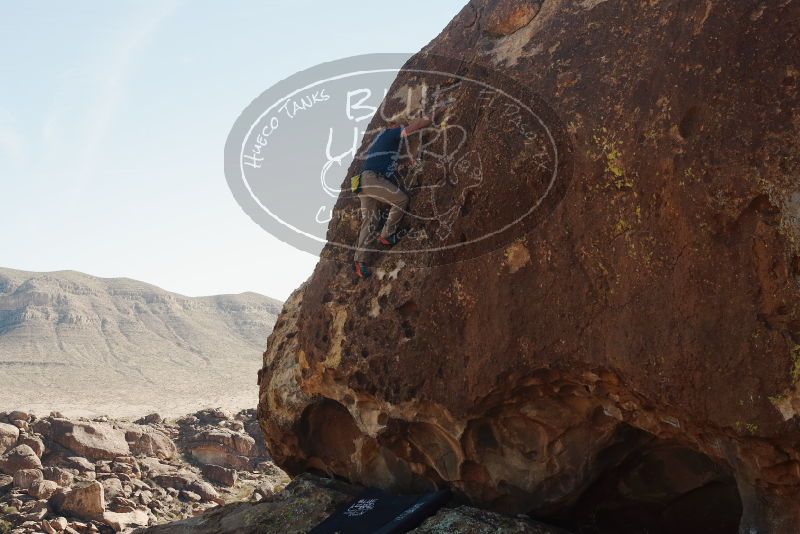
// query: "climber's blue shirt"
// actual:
[[382, 154]]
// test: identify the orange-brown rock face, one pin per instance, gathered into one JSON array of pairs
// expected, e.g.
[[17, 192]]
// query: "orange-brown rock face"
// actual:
[[639, 345]]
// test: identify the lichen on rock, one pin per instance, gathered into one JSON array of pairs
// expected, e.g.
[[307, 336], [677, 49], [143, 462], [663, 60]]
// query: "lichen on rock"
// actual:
[[649, 318]]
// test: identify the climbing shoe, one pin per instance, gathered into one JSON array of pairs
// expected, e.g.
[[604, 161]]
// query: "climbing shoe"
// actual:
[[361, 270], [389, 241]]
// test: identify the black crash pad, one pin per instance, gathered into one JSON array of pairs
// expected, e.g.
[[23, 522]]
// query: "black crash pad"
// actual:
[[378, 512]]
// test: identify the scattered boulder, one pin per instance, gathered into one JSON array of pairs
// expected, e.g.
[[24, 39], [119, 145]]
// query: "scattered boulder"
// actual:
[[150, 419], [153, 467], [8, 436], [146, 441], [20, 457], [80, 463], [93, 440], [60, 476], [205, 490], [18, 415], [190, 496], [122, 505], [125, 466], [19, 423], [42, 426], [218, 454], [185, 480], [305, 502], [53, 526], [102, 467], [236, 426], [120, 521], [34, 442], [112, 487], [130, 479], [211, 416], [232, 440], [178, 480], [86, 500], [43, 489], [24, 478], [223, 446], [34, 510], [217, 473]]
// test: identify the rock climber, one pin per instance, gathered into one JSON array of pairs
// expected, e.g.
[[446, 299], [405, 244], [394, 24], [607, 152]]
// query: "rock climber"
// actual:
[[379, 185]]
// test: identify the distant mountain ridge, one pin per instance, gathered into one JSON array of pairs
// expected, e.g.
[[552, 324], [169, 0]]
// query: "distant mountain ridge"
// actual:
[[87, 345]]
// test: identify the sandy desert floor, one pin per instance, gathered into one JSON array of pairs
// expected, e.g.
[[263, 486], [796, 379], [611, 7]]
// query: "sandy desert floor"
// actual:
[[93, 391]]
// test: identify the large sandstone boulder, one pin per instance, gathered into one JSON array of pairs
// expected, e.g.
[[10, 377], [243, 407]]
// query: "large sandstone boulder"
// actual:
[[17, 415], [153, 467], [24, 478], [653, 302], [96, 441], [34, 442], [8, 436], [146, 441], [85, 500], [20, 457], [224, 447], [112, 487], [121, 521], [43, 489], [60, 476], [219, 474]]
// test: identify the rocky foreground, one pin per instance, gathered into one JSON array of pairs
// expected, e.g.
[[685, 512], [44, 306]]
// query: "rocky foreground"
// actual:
[[308, 499], [101, 475], [202, 473]]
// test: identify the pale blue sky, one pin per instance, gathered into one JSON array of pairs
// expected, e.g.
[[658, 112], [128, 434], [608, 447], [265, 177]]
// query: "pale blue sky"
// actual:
[[113, 118]]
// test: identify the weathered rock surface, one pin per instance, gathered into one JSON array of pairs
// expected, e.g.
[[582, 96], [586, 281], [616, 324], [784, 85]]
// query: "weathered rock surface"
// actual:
[[85, 500], [20, 457], [217, 473], [8, 436], [34, 442], [95, 441], [24, 478], [123, 520], [43, 489], [228, 444], [58, 475], [112, 487], [147, 441], [654, 304]]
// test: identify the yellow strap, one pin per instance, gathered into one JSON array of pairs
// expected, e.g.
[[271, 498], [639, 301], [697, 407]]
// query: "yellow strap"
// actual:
[[355, 182]]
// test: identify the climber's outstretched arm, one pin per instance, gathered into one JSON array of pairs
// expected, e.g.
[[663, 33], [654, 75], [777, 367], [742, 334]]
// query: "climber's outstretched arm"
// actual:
[[416, 124]]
